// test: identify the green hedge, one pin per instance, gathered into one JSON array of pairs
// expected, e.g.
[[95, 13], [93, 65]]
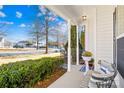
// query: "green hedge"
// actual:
[[27, 73]]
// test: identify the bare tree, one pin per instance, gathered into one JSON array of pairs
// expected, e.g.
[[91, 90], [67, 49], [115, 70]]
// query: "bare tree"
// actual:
[[36, 33], [58, 33], [48, 17], [2, 33], [3, 28], [55, 32], [46, 29]]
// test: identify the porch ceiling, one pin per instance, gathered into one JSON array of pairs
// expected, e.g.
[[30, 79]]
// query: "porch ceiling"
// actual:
[[73, 13]]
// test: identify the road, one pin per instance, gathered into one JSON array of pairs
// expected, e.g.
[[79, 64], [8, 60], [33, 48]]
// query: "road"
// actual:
[[13, 53]]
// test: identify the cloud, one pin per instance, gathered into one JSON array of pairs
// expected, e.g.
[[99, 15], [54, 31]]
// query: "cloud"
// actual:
[[8, 23], [33, 25], [1, 7], [63, 26], [22, 25], [43, 9], [39, 14], [2, 14], [52, 18], [28, 25], [18, 14]]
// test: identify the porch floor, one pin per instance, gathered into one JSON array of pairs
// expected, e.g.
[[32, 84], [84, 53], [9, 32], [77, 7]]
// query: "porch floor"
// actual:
[[73, 79], [70, 79]]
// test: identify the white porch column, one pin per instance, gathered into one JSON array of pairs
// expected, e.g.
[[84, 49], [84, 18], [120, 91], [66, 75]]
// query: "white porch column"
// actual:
[[69, 46], [77, 45]]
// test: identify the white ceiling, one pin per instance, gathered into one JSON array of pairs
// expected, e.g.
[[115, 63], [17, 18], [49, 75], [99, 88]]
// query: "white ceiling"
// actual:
[[71, 12]]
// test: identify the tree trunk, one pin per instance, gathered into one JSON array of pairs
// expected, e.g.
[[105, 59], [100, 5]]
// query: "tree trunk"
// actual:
[[57, 39], [37, 46], [46, 36]]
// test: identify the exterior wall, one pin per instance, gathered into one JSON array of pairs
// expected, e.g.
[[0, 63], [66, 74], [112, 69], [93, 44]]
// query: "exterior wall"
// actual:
[[90, 33], [90, 30], [5, 44], [100, 36], [120, 20], [104, 33], [99, 32], [2, 43], [120, 33]]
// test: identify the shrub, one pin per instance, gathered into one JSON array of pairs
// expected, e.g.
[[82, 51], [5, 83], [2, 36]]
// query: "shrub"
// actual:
[[91, 61], [87, 54], [27, 73]]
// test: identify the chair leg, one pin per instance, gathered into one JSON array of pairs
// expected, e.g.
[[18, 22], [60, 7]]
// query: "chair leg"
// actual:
[[98, 84], [105, 84]]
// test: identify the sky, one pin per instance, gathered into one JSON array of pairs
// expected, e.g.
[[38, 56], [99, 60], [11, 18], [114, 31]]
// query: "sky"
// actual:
[[19, 20]]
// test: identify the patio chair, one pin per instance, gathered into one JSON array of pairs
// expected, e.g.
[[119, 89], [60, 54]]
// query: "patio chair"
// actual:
[[105, 77]]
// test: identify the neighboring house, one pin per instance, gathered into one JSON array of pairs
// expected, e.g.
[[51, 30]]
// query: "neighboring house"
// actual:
[[55, 44], [23, 44], [8, 44], [1, 42], [27, 44], [41, 45], [5, 43]]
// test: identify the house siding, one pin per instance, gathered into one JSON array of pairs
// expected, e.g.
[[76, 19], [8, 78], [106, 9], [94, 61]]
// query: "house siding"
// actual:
[[104, 33], [2, 43], [120, 20], [90, 33]]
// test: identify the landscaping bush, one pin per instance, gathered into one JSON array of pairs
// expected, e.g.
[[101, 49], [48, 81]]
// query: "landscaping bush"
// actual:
[[27, 73]]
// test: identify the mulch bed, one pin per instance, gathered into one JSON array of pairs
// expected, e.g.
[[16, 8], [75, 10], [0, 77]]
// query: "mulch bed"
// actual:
[[48, 81]]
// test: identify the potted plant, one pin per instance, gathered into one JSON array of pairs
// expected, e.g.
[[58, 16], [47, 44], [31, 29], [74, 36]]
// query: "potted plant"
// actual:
[[91, 64], [87, 56]]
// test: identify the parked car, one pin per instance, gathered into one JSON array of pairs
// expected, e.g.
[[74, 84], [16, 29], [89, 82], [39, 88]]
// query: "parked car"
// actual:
[[56, 50]]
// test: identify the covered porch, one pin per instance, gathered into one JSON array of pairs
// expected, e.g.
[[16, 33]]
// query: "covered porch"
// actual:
[[98, 21]]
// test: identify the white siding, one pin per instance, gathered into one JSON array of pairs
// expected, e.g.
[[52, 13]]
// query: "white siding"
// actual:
[[104, 33], [2, 43], [90, 33], [120, 20]]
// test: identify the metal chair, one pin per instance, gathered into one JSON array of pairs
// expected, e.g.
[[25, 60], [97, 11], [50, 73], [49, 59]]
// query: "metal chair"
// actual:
[[104, 80]]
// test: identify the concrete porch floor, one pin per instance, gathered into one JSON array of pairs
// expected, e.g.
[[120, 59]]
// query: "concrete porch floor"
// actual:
[[74, 79], [70, 79]]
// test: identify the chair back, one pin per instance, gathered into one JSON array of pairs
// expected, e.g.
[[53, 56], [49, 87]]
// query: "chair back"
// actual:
[[111, 67]]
